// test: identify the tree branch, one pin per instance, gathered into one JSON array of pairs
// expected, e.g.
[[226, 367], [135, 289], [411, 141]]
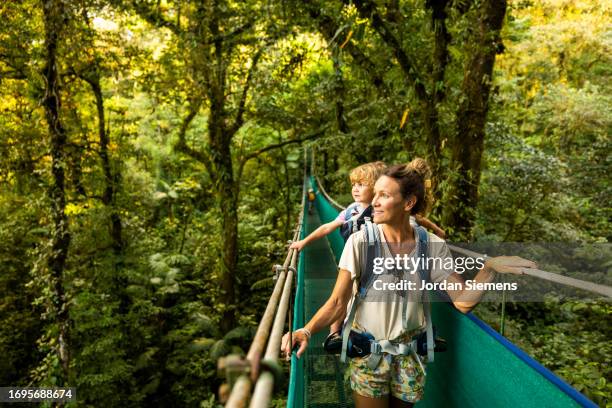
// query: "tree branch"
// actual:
[[328, 27], [239, 121], [235, 33], [368, 9], [257, 152], [17, 70], [12, 75], [154, 17], [440, 52], [181, 144], [462, 6]]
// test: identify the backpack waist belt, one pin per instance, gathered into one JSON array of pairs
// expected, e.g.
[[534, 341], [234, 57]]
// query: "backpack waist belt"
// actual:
[[377, 348]]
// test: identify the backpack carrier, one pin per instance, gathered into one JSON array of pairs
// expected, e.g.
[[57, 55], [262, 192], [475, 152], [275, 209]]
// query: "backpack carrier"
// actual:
[[355, 223], [366, 281]]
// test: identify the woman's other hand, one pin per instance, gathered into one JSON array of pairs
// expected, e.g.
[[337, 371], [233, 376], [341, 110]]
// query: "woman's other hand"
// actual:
[[509, 264]]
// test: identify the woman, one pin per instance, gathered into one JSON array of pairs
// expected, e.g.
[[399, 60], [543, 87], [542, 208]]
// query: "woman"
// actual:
[[397, 380]]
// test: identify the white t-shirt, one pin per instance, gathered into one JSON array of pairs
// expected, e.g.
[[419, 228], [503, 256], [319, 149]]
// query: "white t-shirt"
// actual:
[[383, 319], [413, 221]]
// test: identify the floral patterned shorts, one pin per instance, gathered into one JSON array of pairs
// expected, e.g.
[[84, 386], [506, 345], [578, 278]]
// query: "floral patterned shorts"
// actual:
[[401, 376]]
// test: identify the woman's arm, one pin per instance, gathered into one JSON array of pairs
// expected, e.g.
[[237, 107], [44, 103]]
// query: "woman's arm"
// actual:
[[332, 310], [319, 233], [466, 299]]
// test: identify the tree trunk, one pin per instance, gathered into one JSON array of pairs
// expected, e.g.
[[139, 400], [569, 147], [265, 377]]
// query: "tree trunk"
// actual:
[[212, 41], [60, 238], [226, 191], [430, 110], [112, 181], [468, 143], [339, 91], [229, 205], [431, 125]]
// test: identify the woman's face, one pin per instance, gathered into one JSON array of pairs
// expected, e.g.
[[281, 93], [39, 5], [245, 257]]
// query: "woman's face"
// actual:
[[389, 205]]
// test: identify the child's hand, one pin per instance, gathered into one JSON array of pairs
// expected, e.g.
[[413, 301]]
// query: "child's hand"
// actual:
[[509, 264], [297, 245], [440, 233]]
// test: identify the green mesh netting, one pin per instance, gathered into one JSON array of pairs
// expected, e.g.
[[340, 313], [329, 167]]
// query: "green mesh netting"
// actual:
[[327, 213], [476, 371], [317, 378]]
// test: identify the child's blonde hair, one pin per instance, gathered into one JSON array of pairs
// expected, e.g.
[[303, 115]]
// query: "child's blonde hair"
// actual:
[[367, 173]]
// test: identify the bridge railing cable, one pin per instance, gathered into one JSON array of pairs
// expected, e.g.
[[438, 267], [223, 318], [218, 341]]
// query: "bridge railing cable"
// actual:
[[265, 383], [241, 373], [536, 273], [322, 190], [548, 276], [333, 202]]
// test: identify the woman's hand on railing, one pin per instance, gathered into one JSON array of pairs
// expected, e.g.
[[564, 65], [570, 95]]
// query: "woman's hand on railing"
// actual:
[[301, 337], [509, 264]]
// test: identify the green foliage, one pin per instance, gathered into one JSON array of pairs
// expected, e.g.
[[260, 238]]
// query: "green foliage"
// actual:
[[531, 184], [20, 324], [550, 126], [146, 311]]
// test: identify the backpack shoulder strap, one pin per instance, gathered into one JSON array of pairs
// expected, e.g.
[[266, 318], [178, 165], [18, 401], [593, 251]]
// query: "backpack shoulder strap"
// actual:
[[423, 247], [372, 247], [425, 274], [359, 219], [349, 210], [367, 212], [348, 325], [352, 224]]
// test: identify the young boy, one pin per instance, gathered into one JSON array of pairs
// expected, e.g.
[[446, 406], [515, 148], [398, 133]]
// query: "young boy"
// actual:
[[362, 179]]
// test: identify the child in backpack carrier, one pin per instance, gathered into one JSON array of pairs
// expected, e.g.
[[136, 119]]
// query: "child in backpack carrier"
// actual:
[[362, 180]]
